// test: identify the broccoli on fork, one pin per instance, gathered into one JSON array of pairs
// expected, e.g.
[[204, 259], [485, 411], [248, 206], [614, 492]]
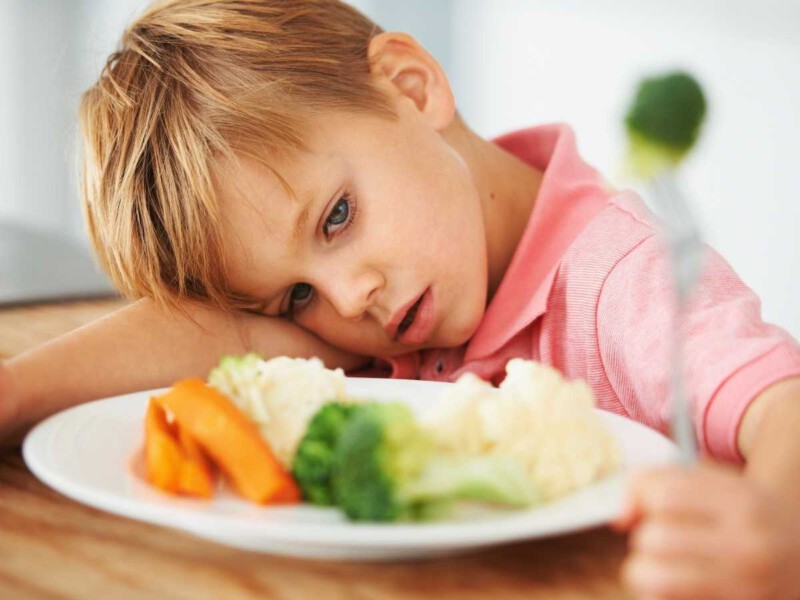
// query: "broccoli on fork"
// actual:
[[663, 122], [387, 469]]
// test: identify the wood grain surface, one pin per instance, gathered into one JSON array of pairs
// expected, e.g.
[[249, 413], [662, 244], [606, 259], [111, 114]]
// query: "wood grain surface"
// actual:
[[52, 547]]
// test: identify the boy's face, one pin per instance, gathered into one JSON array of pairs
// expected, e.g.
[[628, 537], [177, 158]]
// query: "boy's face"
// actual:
[[392, 215]]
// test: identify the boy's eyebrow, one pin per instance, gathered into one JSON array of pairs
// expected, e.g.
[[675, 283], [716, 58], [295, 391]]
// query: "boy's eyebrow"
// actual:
[[309, 198], [300, 224], [299, 228], [308, 201]]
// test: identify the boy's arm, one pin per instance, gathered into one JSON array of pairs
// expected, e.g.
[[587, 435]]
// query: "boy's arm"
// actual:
[[141, 347], [768, 438], [731, 354]]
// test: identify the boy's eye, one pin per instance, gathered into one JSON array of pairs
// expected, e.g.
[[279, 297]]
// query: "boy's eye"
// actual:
[[337, 217], [300, 292], [300, 297], [341, 216]]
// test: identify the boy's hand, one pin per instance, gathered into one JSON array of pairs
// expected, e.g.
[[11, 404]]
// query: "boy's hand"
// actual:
[[709, 533]]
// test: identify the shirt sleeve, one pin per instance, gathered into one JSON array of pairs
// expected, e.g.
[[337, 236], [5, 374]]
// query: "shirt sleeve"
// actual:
[[730, 353]]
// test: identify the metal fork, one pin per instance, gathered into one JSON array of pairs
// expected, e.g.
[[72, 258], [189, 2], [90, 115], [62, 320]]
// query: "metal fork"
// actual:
[[686, 250]]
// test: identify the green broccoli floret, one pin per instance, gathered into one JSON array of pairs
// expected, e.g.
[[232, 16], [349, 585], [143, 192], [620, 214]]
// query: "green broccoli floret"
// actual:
[[314, 459], [234, 372], [387, 469], [245, 362], [664, 122]]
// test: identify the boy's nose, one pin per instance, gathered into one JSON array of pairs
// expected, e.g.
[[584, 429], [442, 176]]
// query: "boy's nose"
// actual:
[[352, 297]]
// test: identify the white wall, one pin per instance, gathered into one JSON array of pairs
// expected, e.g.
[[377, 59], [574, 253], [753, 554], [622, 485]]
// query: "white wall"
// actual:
[[521, 62], [50, 51], [34, 111]]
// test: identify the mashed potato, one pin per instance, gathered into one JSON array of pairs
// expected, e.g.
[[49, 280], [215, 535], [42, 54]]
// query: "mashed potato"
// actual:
[[281, 395], [536, 416]]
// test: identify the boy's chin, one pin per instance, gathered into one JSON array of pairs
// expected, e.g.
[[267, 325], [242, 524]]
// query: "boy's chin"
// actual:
[[458, 334]]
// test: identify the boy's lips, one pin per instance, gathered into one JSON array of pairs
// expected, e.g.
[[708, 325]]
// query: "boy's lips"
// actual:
[[411, 323], [394, 324]]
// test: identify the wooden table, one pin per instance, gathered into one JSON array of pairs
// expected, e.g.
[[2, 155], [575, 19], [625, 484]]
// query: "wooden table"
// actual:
[[52, 547]]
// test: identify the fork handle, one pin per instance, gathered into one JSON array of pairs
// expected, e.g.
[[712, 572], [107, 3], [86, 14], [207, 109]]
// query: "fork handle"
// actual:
[[685, 251]]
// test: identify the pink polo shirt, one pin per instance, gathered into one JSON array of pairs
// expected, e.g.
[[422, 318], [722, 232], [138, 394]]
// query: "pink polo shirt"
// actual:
[[588, 291]]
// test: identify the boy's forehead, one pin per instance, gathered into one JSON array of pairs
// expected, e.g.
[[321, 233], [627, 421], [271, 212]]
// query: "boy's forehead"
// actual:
[[294, 174], [331, 142], [293, 178]]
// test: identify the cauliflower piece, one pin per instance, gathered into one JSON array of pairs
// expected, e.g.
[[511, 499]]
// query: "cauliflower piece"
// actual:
[[536, 416], [280, 395]]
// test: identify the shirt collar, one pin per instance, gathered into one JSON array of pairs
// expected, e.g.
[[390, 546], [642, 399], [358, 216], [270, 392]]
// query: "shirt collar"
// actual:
[[571, 193]]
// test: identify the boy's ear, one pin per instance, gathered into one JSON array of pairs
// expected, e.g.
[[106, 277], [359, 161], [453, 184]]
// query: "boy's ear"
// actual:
[[397, 59]]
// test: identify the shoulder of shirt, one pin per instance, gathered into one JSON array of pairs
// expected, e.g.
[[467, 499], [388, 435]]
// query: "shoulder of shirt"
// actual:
[[627, 204], [616, 231]]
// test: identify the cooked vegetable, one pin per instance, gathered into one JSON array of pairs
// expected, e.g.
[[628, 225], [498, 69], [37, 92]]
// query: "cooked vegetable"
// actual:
[[313, 463], [538, 417], [663, 123], [386, 470], [279, 395], [175, 463], [231, 440], [196, 476], [163, 454]]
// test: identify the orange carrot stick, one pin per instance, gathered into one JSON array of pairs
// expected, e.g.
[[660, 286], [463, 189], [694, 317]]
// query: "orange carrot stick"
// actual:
[[163, 454], [175, 462], [231, 440], [197, 475]]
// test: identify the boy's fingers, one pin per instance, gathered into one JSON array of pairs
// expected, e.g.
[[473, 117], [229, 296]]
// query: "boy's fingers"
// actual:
[[678, 491], [674, 579], [673, 539]]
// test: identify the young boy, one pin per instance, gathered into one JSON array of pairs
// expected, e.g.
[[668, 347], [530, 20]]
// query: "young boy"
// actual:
[[284, 177]]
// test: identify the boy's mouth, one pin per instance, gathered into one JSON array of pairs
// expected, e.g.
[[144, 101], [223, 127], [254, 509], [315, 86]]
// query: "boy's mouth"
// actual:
[[399, 325], [409, 318]]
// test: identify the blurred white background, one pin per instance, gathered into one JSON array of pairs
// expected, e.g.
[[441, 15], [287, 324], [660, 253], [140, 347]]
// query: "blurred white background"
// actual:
[[512, 63]]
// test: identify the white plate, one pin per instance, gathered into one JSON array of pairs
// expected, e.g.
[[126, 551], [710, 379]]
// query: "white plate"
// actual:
[[91, 454]]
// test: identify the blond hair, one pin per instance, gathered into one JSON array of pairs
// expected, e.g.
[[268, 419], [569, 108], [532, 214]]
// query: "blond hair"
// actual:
[[193, 81]]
